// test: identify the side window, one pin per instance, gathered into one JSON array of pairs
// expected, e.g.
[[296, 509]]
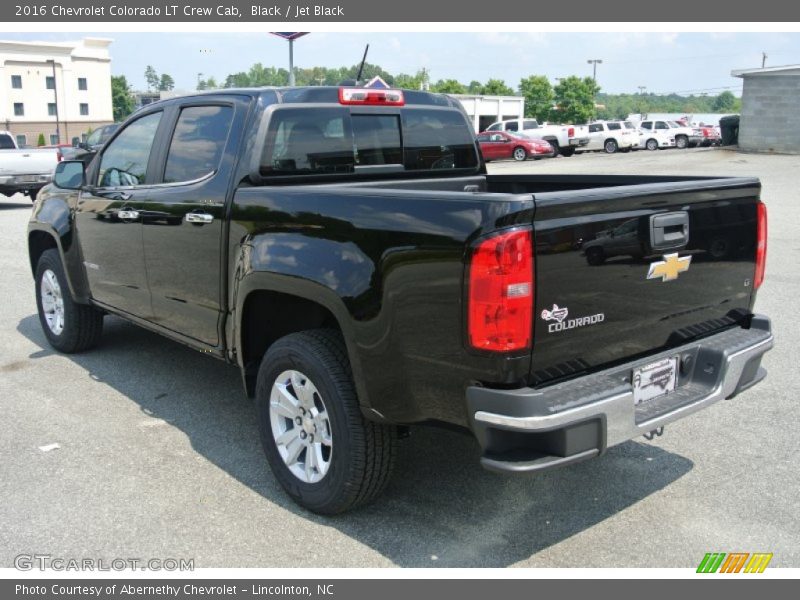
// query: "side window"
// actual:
[[661, 125], [483, 138], [125, 160], [595, 128], [512, 126], [647, 125], [614, 126], [495, 127], [198, 142], [498, 138], [530, 124], [6, 142]]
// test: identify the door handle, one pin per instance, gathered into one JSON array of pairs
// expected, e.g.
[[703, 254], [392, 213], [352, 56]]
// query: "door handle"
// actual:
[[199, 218], [128, 215]]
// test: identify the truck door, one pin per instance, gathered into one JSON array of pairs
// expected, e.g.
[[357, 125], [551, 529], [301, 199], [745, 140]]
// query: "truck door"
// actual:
[[108, 217], [184, 216]]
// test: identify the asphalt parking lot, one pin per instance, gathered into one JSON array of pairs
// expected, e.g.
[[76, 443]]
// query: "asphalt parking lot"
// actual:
[[159, 454]]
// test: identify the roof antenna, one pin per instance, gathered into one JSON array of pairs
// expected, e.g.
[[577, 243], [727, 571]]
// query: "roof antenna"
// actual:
[[361, 66]]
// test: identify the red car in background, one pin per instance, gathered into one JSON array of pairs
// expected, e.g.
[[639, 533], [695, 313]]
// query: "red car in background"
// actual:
[[497, 145]]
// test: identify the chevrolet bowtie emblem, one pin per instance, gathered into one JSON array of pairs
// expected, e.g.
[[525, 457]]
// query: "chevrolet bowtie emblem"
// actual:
[[669, 268]]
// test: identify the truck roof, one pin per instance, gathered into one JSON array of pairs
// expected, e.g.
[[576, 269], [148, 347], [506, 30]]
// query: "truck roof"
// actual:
[[321, 94]]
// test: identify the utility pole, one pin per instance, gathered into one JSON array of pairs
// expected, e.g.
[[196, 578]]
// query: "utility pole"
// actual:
[[642, 88], [764, 59], [594, 62], [55, 96], [291, 62]]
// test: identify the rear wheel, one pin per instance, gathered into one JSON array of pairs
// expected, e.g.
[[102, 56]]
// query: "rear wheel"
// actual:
[[651, 144], [595, 256], [321, 449], [519, 153], [610, 146], [69, 327], [565, 151]]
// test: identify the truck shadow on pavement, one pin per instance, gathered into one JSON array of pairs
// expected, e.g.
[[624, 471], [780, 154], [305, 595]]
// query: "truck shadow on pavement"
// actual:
[[441, 508]]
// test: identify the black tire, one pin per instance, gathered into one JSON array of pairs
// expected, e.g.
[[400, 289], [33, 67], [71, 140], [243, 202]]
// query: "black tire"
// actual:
[[610, 146], [83, 324], [651, 144], [519, 154], [681, 141], [33, 194], [362, 452], [595, 256], [566, 152], [556, 148]]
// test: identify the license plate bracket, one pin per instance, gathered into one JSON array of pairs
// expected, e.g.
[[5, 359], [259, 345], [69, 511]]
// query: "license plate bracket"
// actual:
[[654, 380]]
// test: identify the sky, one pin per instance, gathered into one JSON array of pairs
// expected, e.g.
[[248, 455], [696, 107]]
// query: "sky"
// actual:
[[662, 62]]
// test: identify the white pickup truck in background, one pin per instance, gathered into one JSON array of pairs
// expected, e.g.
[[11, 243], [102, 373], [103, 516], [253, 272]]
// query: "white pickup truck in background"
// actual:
[[25, 170], [565, 139]]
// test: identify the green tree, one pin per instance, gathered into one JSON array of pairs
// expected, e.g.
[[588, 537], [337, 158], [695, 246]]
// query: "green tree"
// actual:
[[151, 77], [121, 98], [497, 87], [725, 102], [166, 83], [449, 86], [474, 87], [575, 100], [538, 94], [240, 79], [40, 140]]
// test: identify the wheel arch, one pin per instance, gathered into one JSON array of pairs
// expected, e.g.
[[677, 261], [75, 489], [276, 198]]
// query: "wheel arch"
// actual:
[[269, 306]]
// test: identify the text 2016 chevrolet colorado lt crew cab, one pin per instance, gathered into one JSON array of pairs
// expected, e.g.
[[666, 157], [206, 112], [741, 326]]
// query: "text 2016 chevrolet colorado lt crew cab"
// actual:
[[347, 250]]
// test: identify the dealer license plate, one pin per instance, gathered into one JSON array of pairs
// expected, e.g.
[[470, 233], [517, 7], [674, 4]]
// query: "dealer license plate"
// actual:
[[654, 380]]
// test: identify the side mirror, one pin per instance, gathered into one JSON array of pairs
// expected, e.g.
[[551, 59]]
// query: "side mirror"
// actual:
[[70, 175]]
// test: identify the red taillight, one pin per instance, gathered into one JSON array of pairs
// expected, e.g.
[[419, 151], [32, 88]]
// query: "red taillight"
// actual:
[[571, 132], [371, 96], [500, 301], [761, 245]]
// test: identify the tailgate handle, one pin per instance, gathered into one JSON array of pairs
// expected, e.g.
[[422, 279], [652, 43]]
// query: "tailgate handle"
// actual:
[[668, 231]]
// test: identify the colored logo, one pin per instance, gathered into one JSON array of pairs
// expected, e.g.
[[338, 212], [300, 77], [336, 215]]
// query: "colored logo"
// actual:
[[734, 562], [669, 268]]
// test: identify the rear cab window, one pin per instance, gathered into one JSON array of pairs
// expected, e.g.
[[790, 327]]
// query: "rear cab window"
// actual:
[[343, 141]]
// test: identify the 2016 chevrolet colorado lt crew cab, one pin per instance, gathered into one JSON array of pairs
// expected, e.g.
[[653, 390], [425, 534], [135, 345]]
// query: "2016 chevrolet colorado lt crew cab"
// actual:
[[348, 251]]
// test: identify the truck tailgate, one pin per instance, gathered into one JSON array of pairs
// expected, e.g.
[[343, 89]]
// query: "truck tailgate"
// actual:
[[27, 162], [625, 271]]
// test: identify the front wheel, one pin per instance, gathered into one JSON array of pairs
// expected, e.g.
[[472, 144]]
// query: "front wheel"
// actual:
[[651, 144], [69, 327], [519, 153], [321, 449], [681, 142]]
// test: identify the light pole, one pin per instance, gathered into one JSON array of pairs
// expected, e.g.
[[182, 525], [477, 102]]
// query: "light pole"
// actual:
[[55, 96], [642, 88], [594, 62], [290, 36]]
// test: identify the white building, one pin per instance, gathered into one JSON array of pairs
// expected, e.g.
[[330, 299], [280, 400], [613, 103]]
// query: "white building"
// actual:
[[485, 110], [41, 79]]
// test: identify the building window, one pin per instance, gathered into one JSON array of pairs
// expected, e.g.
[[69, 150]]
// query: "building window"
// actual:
[[51, 109], [16, 82], [22, 140], [19, 109], [82, 84], [50, 82], [84, 109], [53, 139]]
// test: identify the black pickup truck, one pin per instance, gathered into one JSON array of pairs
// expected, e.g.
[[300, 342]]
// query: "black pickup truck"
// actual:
[[346, 249]]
